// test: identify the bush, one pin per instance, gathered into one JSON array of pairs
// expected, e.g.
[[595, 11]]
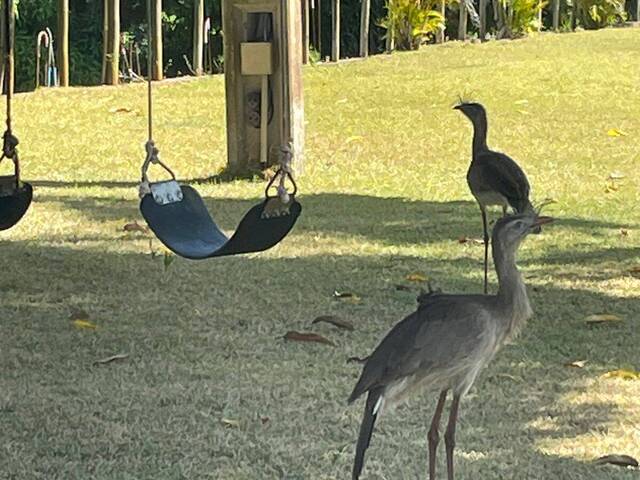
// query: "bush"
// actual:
[[410, 21], [594, 14]]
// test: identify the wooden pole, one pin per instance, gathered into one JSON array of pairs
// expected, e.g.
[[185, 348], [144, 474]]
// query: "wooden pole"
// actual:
[[556, 15], [156, 40], [462, 24], [440, 32], [198, 36], [63, 42], [105, 41], [3, 34], [111, 60], [305, 31], [365, 12], [335, 32], [483, 20], [637, 17]]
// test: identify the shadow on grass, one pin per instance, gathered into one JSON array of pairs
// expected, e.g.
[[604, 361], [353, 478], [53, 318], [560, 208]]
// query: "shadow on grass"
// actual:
[[390, 220], [206, 323]]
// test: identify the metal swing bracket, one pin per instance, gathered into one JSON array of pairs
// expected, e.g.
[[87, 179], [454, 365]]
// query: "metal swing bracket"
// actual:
[[163, 192]]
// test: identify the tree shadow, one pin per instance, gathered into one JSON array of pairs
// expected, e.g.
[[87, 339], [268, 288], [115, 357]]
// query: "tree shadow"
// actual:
[[206, 337]]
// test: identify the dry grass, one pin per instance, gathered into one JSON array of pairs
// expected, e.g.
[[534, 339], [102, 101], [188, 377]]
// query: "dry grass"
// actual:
[[208, 390]]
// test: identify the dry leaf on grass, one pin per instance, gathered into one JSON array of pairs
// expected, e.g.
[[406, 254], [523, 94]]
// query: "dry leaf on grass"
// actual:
[[477, 241], [614, 132], [307, 337], [335, 321], [576, 364], [603, 318], [357, 359], [346, 296], [402, 288], [616, 176], [230, 423], [416, 277], [623, 374], [85, 324], [619, 460], [135, 227], [112, 358]]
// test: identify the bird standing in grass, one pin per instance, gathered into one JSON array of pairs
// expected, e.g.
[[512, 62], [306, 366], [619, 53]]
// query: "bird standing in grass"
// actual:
[[493, 177], [445, 343]]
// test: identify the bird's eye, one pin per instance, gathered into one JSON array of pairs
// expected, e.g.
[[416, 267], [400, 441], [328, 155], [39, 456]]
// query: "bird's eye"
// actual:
[[519, 224]]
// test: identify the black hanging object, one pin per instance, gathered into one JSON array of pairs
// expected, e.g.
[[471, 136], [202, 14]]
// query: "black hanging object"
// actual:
[[186, 227], [15, 196]]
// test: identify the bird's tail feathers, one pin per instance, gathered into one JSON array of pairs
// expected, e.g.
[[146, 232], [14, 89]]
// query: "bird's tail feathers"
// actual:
[[366, 429]]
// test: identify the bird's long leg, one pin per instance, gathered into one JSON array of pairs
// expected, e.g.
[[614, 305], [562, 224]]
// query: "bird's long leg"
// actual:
[[434, 436], [486, 249], [450, 435]]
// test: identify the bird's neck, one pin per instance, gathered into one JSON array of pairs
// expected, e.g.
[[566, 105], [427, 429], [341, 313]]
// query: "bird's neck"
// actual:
[[512, 292], [480, 128]]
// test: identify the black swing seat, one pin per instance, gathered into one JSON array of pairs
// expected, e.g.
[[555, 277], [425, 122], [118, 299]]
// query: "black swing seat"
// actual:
[[15, 198], [185, 226]]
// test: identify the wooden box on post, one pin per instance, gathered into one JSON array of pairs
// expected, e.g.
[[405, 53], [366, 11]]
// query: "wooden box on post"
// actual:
[[251, 27]]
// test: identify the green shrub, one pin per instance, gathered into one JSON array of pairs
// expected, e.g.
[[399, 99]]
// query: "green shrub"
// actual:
[[593, 14], [410, 21], [519, 17]]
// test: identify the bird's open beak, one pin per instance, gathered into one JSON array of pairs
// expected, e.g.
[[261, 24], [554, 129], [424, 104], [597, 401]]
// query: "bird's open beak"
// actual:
[[456, 107]]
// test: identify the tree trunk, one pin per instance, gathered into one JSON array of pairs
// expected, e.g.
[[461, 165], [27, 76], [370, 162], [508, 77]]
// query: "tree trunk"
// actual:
[[63, 42], [111, 59], [462, 24], [156, 40], [335, 33], [365, 11], [556, 15], [198, 36], [305, 31], [483, 20], [3, 34], [637, 16], [441, 32], [318, 13]]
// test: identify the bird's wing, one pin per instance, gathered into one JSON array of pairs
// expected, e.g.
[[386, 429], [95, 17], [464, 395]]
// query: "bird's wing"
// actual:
[[505, 176], [438, 336]]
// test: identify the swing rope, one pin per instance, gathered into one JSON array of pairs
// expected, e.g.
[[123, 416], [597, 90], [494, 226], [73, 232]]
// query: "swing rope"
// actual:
[[152, 152], [9, 141]]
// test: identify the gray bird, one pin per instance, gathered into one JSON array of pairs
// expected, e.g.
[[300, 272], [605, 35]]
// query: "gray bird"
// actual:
[[493, 177], [446, 342]]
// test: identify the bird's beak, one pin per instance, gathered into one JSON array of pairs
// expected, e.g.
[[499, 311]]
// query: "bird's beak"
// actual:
[[539, 221], [457, 107]]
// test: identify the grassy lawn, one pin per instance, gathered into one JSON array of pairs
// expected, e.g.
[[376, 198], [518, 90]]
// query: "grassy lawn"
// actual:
[[209, 390]]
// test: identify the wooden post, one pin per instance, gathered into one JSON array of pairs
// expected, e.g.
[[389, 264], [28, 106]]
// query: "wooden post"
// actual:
[[157, 72], [63, 42], [462, 24], [483, 20], [335, 31], [3, 34], [305, 31], [198, 36], [440, 33], [556, 15], [111, 58], [318, 10], [574, 15], [365, 11], [637, 16]]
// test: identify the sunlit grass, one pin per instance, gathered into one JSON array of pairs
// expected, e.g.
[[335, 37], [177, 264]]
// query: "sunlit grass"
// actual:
[[384, 195]]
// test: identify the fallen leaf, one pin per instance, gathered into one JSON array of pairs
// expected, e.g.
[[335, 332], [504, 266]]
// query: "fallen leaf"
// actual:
[[616, 176], [402, 288], [523, 112], [120, 110], [84, 324], [112, 358], [624, 232], [135, 227], [614, 132], [576, 364], [623, 374], [416, 277], [346, 296], [228, 422], [619, 460], [307, 337], [477, 241], [265, 420], [335, 321], [354, 138], [602, 319], [611, 188], [357, 359], [524, 101]]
